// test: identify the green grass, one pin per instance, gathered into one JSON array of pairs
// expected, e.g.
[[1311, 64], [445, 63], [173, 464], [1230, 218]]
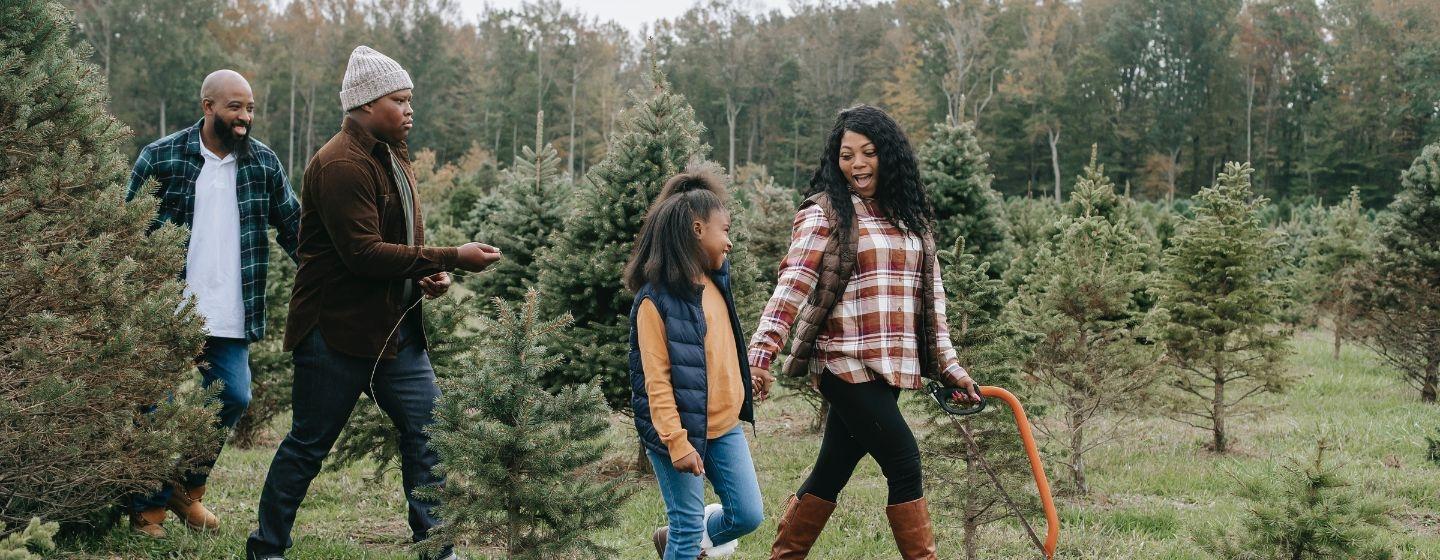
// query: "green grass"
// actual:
[[1150, 491]]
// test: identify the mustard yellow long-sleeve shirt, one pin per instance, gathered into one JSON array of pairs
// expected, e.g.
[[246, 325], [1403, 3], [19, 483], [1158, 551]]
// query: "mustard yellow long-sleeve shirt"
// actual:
[[722, 372]]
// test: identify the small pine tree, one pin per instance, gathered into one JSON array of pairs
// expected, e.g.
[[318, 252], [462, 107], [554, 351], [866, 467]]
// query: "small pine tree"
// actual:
[[956, 174], [530, 204], [28, 543], [986, 348], [580, 271], [1084, 332], [95, 328], [520, 462], [1331, 272], [1402, 300], [1221, 307], [1307, 512]]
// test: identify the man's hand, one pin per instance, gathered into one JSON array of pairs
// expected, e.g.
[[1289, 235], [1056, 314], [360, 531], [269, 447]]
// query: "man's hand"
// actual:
[[691, 464], [435, 285], [760, 380], [475, 257]]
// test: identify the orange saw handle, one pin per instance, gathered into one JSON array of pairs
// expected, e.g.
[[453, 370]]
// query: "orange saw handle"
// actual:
[[947, 396]]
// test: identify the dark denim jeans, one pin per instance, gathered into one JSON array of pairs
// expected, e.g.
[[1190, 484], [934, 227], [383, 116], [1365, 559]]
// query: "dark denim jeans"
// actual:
[[226, 360], [327, 386]]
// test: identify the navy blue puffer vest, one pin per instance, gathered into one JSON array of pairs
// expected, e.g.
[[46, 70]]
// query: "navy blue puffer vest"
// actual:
[[685, 341]]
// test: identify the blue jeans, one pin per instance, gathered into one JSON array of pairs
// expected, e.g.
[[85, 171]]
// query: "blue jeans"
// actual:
[[226, 360], [732, 473], [327, 386]]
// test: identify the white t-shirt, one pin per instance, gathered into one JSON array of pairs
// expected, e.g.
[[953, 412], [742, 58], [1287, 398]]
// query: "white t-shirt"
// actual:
[[212, 265]]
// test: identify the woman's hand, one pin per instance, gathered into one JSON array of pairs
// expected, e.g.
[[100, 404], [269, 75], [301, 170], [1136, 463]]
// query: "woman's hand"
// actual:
[[760, 380], [969, 389]]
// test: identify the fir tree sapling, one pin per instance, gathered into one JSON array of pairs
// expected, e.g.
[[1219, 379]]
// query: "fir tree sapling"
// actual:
[[1221, 308], [1402, 296], [1084, 334], [521, 462]]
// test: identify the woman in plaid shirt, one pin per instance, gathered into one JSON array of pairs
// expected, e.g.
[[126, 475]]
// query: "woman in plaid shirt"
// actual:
[[860, 284]]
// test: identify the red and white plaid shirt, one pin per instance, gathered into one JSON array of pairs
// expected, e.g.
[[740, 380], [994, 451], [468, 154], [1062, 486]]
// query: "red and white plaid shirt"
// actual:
[[872, 331]]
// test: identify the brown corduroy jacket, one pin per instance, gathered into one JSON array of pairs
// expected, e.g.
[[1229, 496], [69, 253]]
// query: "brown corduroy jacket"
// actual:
[[354, 262]]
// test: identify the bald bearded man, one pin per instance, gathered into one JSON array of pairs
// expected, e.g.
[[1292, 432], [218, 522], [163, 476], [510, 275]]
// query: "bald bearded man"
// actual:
[[229, 189]]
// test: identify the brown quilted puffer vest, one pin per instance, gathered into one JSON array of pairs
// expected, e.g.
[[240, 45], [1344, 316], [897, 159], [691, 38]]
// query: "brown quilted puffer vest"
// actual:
[[837, 264]]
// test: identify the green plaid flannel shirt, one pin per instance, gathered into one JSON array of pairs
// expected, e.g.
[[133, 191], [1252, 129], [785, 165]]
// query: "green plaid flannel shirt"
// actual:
[[262, 191]]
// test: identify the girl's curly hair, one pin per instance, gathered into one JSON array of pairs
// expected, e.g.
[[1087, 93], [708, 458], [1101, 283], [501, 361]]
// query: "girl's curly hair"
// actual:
[[898, 190]]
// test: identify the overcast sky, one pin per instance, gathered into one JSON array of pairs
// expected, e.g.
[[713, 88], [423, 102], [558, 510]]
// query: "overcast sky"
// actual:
[[630, 13]]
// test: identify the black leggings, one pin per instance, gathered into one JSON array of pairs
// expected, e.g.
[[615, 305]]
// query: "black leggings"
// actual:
[[864, 419]]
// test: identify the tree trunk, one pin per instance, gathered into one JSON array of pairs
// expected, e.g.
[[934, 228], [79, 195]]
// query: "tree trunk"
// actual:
[[163, 128], [309, 124], [1249, 114], [1172, 174], [1335, 352], [290, 152], [971, 535], [574, 78], [1077, 453], [1054, 136], [1217, 413], [642, 462], [732, 111], [1431, 383]]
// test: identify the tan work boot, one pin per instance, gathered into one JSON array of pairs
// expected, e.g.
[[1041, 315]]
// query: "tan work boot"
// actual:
[[910, 523], [801, 524], [661, 537], [148, 522], [186, 505]]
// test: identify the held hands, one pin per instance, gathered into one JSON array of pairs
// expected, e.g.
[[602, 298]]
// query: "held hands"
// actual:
[[760, 380], [476, 257], [691, 464], [435, 285]]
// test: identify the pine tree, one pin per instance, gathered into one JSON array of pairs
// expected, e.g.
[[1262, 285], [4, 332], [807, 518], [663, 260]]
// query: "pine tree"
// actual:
[[1221, 307], [956, 173], [520, 462], [1402, 301], [530, 204], [1308, 512], [94, 330], [985, 346], [1083, 327], [26, 543], [1331, 272], [580, 271]]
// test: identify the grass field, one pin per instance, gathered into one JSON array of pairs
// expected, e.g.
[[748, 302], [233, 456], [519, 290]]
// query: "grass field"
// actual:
[[1149, 493]]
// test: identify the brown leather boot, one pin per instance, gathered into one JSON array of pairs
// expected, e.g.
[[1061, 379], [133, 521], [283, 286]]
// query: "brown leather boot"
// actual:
[[148, 522], [910, 522], [661, 537], [185, 502], [801, 524]]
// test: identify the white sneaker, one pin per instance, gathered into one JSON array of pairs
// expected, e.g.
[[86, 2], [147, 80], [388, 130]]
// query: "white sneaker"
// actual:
[[709, 548]]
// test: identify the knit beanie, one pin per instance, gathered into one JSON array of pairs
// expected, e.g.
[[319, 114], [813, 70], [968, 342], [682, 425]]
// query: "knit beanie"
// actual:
[[370, 76]]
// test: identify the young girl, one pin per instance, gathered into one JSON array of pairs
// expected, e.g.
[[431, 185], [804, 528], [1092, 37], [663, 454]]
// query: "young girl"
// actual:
[[689, 386]]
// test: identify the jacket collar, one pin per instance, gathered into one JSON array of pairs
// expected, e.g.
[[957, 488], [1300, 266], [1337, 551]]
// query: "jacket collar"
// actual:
[[368, 142]]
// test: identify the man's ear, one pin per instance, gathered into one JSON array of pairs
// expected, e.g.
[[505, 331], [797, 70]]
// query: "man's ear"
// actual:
[[207, 106]]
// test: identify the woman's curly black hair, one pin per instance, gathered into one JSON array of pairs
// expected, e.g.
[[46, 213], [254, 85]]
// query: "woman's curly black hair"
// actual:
[[898, 190]]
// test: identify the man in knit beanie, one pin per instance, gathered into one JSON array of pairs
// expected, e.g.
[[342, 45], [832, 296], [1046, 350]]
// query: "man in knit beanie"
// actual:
[[354, 323]]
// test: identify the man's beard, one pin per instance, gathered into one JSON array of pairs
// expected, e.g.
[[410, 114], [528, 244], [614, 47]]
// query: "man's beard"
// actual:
[[237, 144]]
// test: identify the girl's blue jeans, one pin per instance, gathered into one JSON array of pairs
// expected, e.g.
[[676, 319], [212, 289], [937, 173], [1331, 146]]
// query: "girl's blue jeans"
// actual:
[[732, 473]]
